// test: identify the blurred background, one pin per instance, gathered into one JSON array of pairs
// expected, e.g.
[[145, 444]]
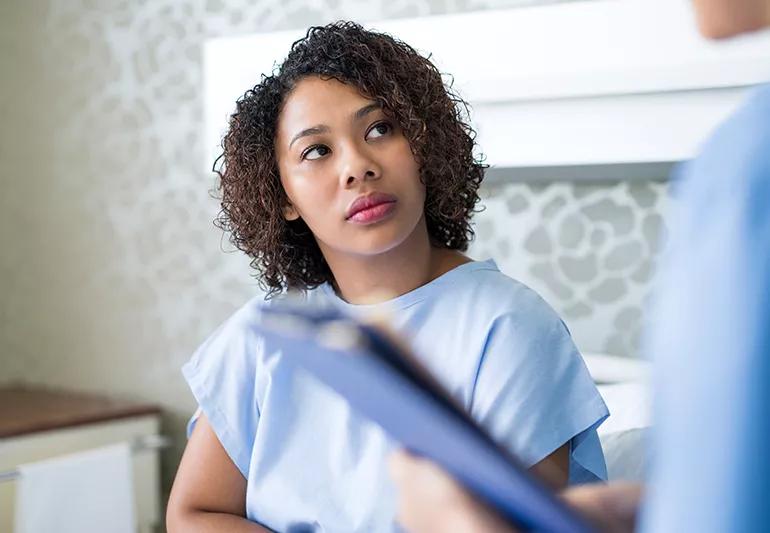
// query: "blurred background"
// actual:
[[112, 272]]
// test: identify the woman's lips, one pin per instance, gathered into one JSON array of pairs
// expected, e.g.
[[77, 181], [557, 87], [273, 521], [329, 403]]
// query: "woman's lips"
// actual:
[[374, 213], [370, 207]]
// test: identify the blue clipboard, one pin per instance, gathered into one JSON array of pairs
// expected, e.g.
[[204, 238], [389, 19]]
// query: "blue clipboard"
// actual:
[[383, 381]]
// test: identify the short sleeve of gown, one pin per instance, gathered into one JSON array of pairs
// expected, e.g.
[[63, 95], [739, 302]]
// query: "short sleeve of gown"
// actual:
[[222, 376], [533, 391]]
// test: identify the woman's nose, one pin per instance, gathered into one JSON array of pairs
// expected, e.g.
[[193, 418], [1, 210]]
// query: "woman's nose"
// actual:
[[359, 167], [367, 175]]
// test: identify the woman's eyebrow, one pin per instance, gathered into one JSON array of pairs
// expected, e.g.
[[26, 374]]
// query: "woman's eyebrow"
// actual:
[[365, 111], [314, 130], [322, 128]]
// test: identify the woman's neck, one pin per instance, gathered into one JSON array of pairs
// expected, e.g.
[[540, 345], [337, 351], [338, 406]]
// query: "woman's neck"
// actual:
[[378, 278]]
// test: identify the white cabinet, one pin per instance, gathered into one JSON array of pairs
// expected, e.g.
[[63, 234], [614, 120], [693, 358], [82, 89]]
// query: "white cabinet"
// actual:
[[37, 424]]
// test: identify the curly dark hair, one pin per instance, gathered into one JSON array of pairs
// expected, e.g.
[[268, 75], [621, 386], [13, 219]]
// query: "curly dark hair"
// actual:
[[409, 88]]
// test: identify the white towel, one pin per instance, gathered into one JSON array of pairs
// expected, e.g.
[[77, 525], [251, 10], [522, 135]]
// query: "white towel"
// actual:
[[85, 492]]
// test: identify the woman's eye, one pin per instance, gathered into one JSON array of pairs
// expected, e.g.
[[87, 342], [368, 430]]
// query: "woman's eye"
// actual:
[[319, 151], [378, 130]]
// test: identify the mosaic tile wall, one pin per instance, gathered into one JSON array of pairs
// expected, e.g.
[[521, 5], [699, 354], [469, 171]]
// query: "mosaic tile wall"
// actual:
[[589, 250], [111, 270]]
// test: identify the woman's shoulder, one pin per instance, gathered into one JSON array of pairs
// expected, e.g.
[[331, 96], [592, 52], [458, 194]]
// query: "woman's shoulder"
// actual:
[[251, 312], [245, 316], [491, 284], [240, 336], [491, 293]]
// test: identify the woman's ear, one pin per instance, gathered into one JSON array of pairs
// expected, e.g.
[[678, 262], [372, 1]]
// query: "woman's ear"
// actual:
[[290, 213]]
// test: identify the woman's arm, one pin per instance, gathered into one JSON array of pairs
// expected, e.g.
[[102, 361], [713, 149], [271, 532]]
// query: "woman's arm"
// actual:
[[554, 469], [209, 492]]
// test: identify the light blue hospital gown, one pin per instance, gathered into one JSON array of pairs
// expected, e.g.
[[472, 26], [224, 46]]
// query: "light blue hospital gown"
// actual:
[[313, 463]]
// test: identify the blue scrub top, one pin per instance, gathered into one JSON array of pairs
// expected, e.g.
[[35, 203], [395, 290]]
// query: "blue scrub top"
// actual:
[[312, 463], [711, 338]]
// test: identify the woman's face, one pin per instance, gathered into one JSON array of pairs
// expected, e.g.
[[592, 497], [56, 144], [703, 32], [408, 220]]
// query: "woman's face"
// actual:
[[347, 170], [719, 19]]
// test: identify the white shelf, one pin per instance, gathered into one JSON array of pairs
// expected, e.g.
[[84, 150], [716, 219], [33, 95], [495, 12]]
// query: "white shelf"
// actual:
[[607, 82]]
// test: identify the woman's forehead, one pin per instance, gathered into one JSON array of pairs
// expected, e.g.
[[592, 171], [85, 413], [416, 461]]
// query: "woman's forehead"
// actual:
[[319, 101]]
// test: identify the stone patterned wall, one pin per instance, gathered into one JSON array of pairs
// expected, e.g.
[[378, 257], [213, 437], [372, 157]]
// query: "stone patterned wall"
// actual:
[[111, 270], [587, 249]]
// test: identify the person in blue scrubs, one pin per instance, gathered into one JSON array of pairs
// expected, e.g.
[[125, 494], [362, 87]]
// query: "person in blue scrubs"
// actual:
[[710, 341]]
